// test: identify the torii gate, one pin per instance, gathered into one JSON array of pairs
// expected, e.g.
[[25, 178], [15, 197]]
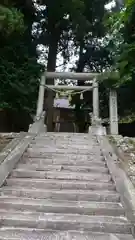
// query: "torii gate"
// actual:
[[83, 77]]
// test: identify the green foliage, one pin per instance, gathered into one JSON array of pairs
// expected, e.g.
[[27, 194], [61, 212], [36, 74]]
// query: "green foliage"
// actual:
[[121, 41], [19, 74], [19, 70], [11, 20]]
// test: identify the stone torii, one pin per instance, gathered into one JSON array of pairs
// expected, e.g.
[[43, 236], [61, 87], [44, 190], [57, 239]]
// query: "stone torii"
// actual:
[[95, 88]]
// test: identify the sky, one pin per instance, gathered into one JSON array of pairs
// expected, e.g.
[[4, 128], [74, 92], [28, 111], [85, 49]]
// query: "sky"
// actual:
[[110, 5]]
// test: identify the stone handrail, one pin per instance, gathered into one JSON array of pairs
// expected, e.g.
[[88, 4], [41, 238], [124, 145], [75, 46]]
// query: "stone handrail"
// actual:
[[38, 126], [12, 153], [96, 128], [122, 182]]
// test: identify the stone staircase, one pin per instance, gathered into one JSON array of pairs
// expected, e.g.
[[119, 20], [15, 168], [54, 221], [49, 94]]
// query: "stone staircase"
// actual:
[[61, 189]]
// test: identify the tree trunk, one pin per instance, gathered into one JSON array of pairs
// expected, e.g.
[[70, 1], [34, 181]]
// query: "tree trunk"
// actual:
[[50, 95]]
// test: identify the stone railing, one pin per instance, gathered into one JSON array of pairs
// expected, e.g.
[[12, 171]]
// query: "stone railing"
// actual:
[[38, 126], [97, 128]]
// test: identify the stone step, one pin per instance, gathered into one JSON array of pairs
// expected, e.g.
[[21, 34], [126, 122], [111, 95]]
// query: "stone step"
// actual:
[[62, 143], [9, 233], [44, 151], [62, 168], [60, 184], [107, 224], [61, 206], [76, 136], [71, 195], [46, 143], [66, 146], [65, 138], [23, 173], [74, 161]]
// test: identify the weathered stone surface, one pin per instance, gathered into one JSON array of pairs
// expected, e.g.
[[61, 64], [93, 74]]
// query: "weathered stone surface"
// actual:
[[34, 234], [64, 160], [59, 221], [62, 168], [61, 175], [62, 144], [12, 159], [123, 184], [62, 184], [62, 189], [10, 146], [42, 151], [70, 195], [59, 206]]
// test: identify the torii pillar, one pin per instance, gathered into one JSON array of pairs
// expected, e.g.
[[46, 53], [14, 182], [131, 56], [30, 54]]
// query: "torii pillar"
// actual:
[[113, 109], [95, 99]]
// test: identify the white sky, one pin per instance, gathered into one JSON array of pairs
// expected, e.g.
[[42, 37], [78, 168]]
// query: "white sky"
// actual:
[[110, 5]]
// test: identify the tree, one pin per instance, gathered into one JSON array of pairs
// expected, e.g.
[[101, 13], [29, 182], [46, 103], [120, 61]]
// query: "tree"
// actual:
[[59, 18], [10, 20], [77, 23], [121, 44], [19, 70], [93, 56]]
